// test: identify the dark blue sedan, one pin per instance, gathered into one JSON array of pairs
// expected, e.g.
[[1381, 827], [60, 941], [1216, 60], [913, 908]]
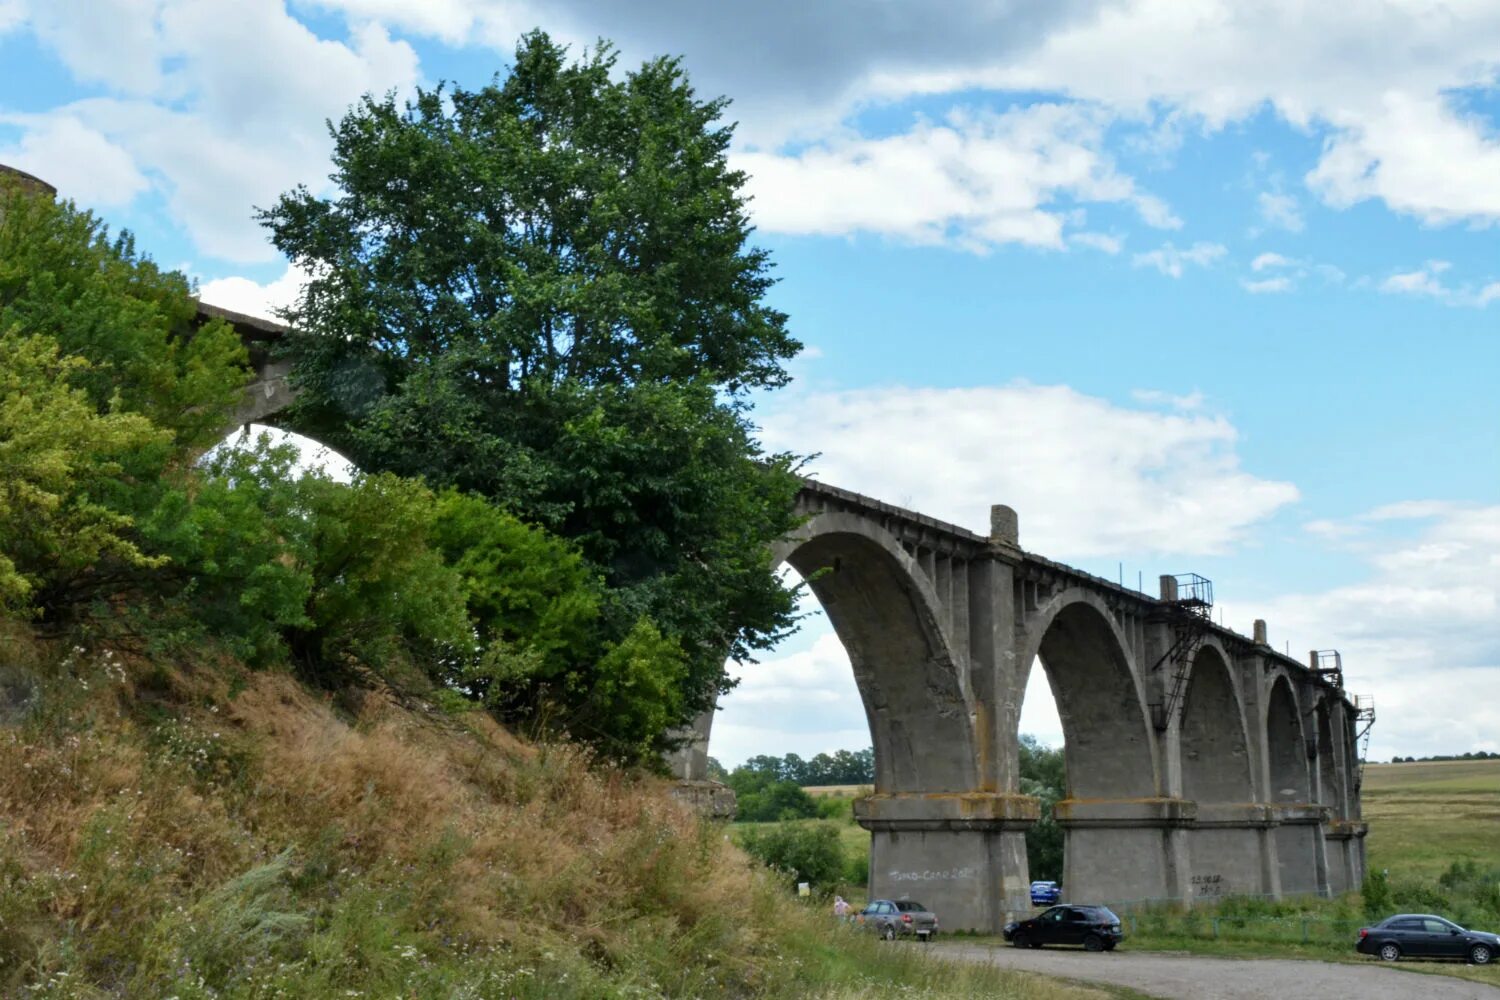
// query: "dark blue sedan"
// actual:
[[1045, 893]]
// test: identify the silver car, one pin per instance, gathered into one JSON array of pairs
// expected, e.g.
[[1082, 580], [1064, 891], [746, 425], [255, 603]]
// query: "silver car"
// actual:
[[893, 918]]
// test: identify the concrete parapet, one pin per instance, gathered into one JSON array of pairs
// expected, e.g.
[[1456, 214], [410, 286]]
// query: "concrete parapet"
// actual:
[[946, 811]]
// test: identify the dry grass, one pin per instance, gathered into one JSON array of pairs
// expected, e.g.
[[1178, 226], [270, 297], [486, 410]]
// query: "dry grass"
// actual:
[[202, 831]]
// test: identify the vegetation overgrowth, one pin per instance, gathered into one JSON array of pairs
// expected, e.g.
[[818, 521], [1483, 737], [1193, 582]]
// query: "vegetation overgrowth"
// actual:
[[195, 828]]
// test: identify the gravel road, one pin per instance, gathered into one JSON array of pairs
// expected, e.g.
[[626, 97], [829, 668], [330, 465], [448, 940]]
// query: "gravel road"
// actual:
[[1192, 977]]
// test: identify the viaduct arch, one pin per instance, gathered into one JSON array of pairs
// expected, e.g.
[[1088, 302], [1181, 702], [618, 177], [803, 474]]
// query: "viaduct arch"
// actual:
[[1201, 762]]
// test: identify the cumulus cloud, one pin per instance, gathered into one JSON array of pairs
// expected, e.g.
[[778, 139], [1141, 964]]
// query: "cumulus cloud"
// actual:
[[244, 295], [1172, 261], [1280, 211], [975, 181], [1090, 478], [1270, 260], [1428, 281], [224, 124], [1418, 630], [1267, 286], [79, 161], [802, 702]]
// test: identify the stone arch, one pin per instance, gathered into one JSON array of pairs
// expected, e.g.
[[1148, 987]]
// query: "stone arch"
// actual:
[[888, 619], [1108, 740], [1286, 745], [1214, 745]]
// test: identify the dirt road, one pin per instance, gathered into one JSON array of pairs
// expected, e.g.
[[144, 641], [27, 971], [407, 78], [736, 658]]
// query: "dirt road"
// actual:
[[1193, 977]]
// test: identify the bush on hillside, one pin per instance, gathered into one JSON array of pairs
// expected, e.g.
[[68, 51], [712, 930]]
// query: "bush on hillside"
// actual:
[[802, 852]]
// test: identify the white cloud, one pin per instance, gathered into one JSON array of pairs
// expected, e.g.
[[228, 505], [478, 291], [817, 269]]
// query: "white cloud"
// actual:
[[1190, 401], [1418, 632], [252, 298], [1102, 242], [79, 161], [975, 181], [1267, 286], [224, 103], [1171, 261], [1280, 211], [1427, 282], [1089, 478], [1269, 260]]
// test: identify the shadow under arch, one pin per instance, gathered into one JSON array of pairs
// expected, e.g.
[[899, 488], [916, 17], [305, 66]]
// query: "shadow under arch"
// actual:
[[1213, 737], [1330, 780], [886, 615], [1286, 745], [1107, 737]]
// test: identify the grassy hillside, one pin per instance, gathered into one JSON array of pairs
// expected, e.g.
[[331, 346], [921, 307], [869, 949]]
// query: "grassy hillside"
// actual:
[[1425, 816], [194, 830]]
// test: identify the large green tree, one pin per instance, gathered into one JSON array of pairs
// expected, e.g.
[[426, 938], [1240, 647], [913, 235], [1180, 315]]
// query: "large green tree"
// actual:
[[543, 292]]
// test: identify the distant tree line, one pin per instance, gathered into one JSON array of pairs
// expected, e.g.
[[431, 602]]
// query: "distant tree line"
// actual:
[[1471, 755], [843, 767]]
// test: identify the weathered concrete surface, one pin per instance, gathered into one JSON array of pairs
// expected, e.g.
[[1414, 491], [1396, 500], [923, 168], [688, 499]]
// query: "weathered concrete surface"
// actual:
[[708, 798], [1231, 770]]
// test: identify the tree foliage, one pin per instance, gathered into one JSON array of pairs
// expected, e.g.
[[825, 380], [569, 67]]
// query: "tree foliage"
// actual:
[[542, 292], [109, 391], [804, 852], [1044, 775], [843, 767]]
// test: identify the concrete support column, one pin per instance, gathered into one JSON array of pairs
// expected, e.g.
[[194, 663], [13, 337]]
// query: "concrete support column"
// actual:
[[1233, 852], [981, 880], [1301, 852], [1344, 841], [1126, 850]]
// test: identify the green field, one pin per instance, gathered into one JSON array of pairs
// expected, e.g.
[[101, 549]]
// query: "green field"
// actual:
[[1425, 816]]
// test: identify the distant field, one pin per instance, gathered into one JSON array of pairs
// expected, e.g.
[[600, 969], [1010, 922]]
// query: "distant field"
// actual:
[[1425, 816], [848, 791]]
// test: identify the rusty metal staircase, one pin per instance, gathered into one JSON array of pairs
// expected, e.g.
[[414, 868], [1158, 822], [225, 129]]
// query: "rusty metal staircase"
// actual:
[[1186, 607]]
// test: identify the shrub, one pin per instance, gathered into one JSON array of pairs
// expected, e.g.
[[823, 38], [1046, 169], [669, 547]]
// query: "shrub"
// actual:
[[803, 852]]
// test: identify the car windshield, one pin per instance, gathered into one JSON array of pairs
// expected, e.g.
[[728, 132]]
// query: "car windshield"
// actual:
[[1104, 913], [908, 906]]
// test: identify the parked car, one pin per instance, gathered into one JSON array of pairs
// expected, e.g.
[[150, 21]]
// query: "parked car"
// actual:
[[1422, 935], [1094, 927], [1045, 893], [893, 918]]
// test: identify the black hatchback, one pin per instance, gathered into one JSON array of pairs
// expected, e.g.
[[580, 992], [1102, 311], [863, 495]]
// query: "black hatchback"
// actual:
[[1094, 927], [1422, 935]]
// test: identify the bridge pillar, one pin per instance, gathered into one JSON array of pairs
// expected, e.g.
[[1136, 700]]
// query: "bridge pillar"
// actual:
[[981, 880], [1232, 851], [1344, 842], [1126, 850], [1301, 853]]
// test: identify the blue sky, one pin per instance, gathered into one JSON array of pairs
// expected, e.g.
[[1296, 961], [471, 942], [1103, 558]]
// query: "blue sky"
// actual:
[[1195, 287]]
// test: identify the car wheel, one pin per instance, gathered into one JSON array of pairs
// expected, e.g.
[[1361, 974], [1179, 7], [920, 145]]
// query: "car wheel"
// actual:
[[889, 933], [1093, 943], [1021, 941], [1481, 954], [1389, 952]]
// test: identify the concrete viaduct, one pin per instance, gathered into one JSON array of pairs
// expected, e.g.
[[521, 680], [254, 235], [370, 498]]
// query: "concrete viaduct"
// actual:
[[1200, 762]]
